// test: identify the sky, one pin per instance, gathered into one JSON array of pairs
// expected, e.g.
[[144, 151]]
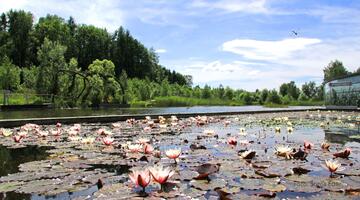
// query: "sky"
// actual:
[[244, 44]]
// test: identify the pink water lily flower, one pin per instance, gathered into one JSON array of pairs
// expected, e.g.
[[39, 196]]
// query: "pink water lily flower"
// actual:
[[148, 149], [56, 132], [101, 131], [173, 153], [232, 141], [140, 178], [135, 148], [308, 145], [58, 125], [17, 138], [108, 141], [161, 174]]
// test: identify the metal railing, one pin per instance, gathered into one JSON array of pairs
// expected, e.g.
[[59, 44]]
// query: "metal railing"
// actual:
[[15, 98]]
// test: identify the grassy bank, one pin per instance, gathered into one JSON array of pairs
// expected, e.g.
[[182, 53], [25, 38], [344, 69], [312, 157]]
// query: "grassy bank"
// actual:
[[175, 101]]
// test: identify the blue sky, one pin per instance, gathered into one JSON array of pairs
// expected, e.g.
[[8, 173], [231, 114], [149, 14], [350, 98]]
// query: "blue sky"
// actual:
[[244, 44]]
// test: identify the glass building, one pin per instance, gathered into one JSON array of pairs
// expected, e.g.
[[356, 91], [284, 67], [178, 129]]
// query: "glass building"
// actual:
[[344, 92]]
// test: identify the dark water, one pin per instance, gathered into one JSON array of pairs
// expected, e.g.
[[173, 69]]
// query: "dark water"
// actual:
[[121, 111]]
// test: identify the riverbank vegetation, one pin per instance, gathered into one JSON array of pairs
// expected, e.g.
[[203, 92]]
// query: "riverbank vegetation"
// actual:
[[73, 65]]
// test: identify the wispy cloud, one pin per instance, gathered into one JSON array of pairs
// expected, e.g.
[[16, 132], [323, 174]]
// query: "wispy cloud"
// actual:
[[160, 51], [248, 6], [267, 50], [101, 13]]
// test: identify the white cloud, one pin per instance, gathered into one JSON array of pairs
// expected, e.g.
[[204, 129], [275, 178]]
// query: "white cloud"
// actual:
[[248, 6], [101, 13], [268, 50], [160, 51]]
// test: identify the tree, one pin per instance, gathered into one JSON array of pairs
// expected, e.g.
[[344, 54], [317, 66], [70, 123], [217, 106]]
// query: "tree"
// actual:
[[290, 89], [123, 85], [273, 97], [92, 43], [9, 75], [19, 27], [103, 85], [284, 89], [206, 92], [263, 96], [52, 62], [309, 89], [335, 69]]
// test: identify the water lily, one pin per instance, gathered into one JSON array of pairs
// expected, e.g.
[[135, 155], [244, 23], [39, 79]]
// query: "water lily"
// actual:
[[151, 124], [88, 140], [43, 133], [325, 145], [209, 132], [56, 132], [116, 125], [161, 174], [143, 140], [148, 149], [308, 145], [17, 138], [343, 154], [58, 125], [162, 125], [147, 128], [23, 134], [74, 138], [332, 166], [140, 178], [73, 132], [173, 153], [242, 131], [227, 122], [290, 129], [5, 132], [277, 129], [283, 151], [232, 141], [101, 131], [135, 148], [76, 127], [174, 118], [248, 154], [108, 141], [26, 127]]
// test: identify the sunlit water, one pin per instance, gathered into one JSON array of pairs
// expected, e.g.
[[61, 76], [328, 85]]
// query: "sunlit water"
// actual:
[[121, 111]]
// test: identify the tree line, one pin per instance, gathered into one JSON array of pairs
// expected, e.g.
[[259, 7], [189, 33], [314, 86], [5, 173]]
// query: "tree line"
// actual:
[[21, 39], [81, 64]]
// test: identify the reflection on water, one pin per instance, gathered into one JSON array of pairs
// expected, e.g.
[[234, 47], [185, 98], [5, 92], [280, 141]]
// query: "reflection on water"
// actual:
[[122, 111], [10, 159], [341, 135]]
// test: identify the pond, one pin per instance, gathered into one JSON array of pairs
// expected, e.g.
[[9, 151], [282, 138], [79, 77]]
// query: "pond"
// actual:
[[237, 157], [121, 111]]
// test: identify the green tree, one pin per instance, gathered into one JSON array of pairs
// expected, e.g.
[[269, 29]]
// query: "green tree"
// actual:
[[103, 85], [273, 97], [52, 62], [92, 43], [19, 27], [335, 69], [9, 75], [309, 89], [206, 92]]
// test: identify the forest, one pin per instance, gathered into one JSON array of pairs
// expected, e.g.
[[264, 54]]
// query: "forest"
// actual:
[[76, 65]]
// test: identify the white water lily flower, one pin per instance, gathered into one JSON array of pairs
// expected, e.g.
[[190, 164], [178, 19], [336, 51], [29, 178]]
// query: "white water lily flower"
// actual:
[[283, 151]]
